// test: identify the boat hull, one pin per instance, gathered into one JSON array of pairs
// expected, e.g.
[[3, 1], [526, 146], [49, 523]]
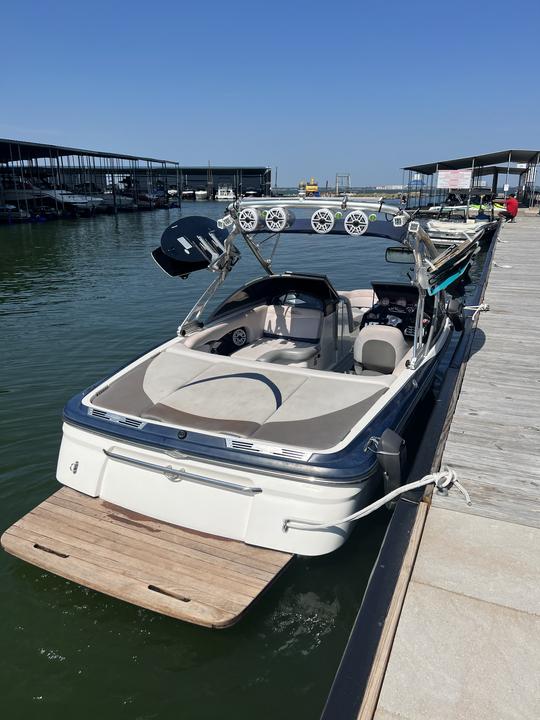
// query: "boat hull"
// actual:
[[240, 504]]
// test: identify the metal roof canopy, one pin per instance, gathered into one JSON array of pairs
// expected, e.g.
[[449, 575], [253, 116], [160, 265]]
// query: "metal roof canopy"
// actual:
[[31, 151], [225, 168], [504, 156], [501, 169]]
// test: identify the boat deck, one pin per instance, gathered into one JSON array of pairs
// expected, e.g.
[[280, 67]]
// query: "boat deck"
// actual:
[[191, 576], [467, 641]]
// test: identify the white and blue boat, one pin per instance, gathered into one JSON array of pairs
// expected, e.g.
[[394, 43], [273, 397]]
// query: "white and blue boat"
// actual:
[[279, 410]]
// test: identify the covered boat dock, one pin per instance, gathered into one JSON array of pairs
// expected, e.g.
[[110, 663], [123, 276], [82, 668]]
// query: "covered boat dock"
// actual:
[[37, 175], [495, 174], [52, 180]]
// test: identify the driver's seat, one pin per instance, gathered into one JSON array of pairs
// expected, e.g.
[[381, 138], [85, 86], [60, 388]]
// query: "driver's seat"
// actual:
[[378, 349]]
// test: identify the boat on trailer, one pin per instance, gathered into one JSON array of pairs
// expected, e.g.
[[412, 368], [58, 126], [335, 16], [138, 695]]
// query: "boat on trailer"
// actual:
[[283, 409]]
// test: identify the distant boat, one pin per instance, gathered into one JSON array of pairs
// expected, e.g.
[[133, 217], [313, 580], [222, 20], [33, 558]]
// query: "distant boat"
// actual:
[[446, 233], [201, 195], [188, 194], [79, 202], [225, 193]]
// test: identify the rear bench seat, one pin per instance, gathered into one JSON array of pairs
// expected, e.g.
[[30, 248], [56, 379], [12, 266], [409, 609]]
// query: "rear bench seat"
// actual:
[[199, 391]]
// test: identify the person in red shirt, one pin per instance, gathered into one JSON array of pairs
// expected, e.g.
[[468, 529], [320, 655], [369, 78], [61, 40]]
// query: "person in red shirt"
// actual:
[[511, 211]]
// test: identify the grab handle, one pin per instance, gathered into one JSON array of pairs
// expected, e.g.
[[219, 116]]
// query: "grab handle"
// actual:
[[179, 475]]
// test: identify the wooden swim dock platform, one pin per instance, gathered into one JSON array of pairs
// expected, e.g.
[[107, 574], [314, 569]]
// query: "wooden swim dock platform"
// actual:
[[460, 635], [190, 576]]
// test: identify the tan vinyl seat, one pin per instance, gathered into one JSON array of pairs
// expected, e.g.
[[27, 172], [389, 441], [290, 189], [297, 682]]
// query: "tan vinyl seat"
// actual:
[[290, 329], [378, 349], [293, 322]]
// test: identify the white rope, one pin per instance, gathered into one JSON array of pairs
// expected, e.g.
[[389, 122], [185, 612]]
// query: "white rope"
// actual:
[[483, 307], [443, 480]]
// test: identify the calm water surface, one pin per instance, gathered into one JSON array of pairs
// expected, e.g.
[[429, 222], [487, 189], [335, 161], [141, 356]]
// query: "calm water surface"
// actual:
[[77, 299]]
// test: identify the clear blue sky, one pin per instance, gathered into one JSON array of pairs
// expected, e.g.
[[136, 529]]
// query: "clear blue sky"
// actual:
[[312, 87]]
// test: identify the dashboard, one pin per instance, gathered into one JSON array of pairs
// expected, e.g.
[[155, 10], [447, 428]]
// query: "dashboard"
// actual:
[[396, 306]]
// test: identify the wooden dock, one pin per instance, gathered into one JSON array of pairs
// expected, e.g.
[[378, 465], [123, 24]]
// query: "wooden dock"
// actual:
[[467, 643], [191, 576]]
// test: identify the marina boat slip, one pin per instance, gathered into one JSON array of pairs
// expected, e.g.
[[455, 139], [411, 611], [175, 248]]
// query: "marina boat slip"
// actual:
[[28, 191], [117, 200], [260, 429]]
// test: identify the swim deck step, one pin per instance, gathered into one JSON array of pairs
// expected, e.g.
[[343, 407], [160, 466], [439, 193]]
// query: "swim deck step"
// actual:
[[188, 575]]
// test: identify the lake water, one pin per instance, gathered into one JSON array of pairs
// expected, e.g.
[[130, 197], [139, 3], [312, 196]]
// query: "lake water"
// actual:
[[77, 299]]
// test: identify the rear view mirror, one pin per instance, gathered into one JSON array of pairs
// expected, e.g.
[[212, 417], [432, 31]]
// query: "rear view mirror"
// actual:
[[399, 255]]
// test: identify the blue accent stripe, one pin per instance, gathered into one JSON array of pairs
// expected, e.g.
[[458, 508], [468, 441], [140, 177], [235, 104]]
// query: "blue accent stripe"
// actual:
[[447, 282]]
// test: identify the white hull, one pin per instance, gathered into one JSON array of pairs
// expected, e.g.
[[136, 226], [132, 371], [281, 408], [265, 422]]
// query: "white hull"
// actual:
[[201, 195], [256, 519], [81, 202]]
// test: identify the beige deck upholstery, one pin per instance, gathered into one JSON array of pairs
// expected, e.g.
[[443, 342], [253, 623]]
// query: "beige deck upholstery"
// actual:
[[359, 298], [319, 414], [246, 399], [264, 345], [361, 301]]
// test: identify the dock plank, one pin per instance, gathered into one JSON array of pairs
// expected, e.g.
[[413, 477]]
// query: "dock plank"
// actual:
[[191, 576], [474, 584], [495, 434]]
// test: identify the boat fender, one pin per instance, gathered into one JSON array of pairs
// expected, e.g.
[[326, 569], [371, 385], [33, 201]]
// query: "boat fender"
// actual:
[[454, 311], [392, 457]]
